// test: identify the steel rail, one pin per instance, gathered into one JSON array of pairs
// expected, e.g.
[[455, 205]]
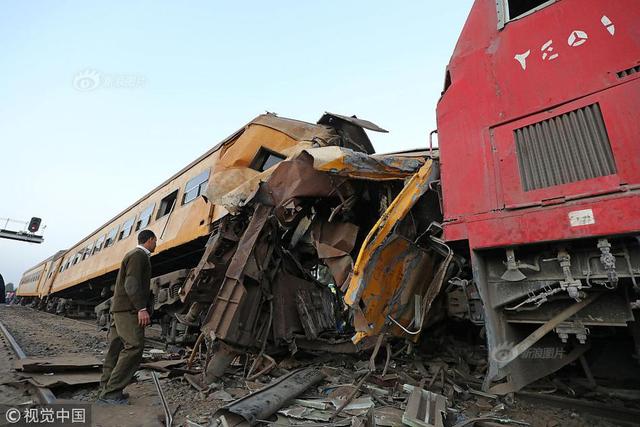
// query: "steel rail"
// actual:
[[168, 416], [44, 394]]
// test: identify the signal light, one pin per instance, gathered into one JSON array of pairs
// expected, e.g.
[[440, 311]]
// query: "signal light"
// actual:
[[34, 224]]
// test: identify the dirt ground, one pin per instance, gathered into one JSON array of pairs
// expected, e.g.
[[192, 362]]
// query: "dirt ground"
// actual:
[[47, 335]]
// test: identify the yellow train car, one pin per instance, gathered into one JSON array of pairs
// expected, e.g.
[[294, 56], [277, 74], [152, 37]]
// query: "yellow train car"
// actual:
[[178, 210], [35, 282], [30, 280]]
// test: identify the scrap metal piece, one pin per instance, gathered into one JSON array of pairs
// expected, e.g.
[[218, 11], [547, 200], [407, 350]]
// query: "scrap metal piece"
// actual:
[[266, 401], [425, 409]]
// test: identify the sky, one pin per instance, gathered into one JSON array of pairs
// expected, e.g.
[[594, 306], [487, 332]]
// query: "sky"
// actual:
[[102, 101]]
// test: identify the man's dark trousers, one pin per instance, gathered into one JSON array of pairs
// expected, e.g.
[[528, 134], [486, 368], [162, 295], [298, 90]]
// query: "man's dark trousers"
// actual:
[[126, 343]]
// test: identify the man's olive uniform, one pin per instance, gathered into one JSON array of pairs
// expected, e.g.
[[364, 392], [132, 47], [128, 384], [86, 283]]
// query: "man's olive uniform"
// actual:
[[126, 336]]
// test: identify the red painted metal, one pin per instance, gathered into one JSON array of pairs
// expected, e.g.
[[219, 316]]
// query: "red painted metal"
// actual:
[[492, 93]]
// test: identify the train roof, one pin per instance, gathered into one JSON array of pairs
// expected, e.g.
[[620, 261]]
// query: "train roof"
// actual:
[[296, 129], [53, 257]]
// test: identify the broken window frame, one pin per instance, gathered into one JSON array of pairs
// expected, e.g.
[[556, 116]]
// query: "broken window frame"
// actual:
[[125, 230], [260, 161], [504, 17], [145, 217], [196, 186], [167, 203]]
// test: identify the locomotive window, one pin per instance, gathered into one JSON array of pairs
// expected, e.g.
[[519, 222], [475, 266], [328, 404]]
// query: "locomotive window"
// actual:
[[145, 217], [195, 187], [111, 237], [508, 10], [98, 245], [125, 231], [166, 204], [265, 159]]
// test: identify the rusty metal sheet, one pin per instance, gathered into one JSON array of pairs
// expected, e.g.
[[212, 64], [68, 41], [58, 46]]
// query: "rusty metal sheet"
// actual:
[[357, 165], [57, 363], [296, 129], [237, 186], [266, 401], [286, 321], [62, 379], [316, 310], [297, 178], [221, 318], [354, 120], [334, 242]]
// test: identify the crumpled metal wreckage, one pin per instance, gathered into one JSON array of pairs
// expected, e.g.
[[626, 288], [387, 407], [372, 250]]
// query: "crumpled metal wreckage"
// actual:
[[325, 250]]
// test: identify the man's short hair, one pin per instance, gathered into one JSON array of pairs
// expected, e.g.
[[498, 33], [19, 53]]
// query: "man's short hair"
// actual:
[[145, 235]]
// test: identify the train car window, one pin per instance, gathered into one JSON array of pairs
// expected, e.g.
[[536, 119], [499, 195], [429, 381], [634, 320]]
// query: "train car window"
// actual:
[[508, 10], [145, 217], [99, 244], [87, 251], [125, 231], [265, 158], [195, 187], [76, 258], [166, 204], [111, 237]]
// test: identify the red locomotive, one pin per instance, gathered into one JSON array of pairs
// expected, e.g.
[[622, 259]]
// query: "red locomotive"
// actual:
[[539, 129]]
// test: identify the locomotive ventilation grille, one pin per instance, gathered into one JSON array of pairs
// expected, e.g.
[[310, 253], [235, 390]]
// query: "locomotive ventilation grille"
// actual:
[[629, 71], [567, 148]]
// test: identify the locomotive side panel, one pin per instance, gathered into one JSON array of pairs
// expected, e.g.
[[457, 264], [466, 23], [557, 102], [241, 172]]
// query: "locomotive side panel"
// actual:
[[540, 176]]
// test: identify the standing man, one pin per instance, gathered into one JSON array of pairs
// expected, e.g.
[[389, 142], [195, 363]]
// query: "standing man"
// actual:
[[129, 317]]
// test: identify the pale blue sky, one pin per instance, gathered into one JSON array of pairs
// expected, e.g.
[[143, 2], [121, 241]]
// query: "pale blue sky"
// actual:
[[182, 76]]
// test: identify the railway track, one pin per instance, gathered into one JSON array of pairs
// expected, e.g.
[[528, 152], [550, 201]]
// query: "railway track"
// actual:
[[33, 320], [9, 344]]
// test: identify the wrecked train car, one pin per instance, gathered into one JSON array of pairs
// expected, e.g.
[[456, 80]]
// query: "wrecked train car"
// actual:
[[328, 251], [78, 280]]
